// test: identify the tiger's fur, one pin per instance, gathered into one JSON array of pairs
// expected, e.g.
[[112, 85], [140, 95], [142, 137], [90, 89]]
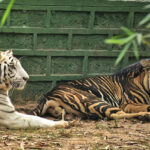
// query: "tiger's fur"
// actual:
[[13, 75], [125, 94]]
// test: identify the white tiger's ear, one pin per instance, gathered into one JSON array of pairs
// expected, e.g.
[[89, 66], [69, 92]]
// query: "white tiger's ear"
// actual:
[[2, 56], [9, 52]]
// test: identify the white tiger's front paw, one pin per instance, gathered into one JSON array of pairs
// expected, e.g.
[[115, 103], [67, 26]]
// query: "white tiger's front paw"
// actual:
[[62, 123]]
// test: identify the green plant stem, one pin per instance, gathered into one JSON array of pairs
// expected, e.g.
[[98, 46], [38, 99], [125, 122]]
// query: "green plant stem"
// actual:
[[6, 13]]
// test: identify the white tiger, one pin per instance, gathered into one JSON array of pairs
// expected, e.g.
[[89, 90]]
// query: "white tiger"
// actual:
[[13, 75]]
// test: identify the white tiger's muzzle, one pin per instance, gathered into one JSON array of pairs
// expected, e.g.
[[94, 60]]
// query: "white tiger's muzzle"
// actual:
[[18, 84]]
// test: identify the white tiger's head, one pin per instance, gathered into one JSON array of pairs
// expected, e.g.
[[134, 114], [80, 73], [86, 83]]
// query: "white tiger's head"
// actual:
[[12, 73]]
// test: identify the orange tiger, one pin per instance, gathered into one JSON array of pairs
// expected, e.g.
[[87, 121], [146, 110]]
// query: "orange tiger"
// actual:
[[124, 94]]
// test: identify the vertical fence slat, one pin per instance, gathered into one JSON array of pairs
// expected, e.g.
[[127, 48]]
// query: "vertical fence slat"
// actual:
[[91, 19]]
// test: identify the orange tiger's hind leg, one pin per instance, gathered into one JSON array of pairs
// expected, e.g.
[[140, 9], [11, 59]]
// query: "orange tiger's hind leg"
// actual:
[[106, 110], [141, 115], [48, 106], [135, 108]]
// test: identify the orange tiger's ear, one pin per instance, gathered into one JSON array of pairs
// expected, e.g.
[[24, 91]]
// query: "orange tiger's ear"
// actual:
[[145, 63]]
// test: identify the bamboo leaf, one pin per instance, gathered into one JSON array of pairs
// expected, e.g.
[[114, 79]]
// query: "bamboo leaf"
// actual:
[[139, 38], [115, 41], [148, 26], [120, 41], [6, 13], [144, 20], [135, 49], [127, 31], [122, 54], [147, 6]]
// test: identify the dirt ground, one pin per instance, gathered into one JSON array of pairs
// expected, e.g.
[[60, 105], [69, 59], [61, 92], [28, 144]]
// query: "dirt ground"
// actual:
[[82, 135]]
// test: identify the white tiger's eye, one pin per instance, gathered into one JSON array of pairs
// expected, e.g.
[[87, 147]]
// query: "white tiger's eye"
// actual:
[[12, 66]]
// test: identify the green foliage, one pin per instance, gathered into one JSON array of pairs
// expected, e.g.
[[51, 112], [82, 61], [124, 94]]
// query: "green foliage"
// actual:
[[145, 20], [6, 13], [122, 54], [135, 49], [130, 40], [121, 41]]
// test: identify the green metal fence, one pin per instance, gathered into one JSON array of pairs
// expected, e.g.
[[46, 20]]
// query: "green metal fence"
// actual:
[[64, 40]]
